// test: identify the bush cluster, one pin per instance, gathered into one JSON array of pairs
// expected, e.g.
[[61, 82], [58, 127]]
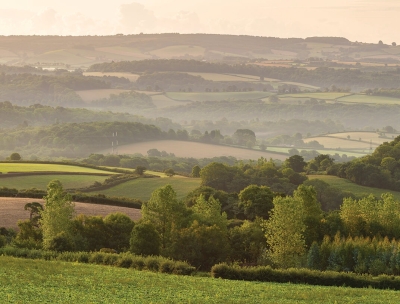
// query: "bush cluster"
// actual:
[[125, 260], [304, 276]]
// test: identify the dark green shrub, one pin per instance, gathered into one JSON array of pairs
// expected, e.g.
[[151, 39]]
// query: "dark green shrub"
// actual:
[[96, 258], [110, 259], [304, 276], [138, 263], [183, 268], [152, 263], [124, 261], [167, 266]]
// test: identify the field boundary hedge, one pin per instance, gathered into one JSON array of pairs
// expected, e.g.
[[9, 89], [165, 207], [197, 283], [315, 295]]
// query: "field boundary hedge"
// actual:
[[98, 199], [123, 260], [304, 276]]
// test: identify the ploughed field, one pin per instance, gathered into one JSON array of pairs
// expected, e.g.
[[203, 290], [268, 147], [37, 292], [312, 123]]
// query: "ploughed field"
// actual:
[[12, 210]]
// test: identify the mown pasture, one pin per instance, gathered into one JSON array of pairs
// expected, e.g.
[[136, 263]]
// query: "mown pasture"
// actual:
[[90, 95], [38, 281], [41, 181], [349, 153], [162, 101], [331, 142], [142, 188], [226, 77], [358, 190], [352, 140], [12, 210], [316, 95], [123, 52], [194, 149], [176, 51], [362, 98], [36, 167], [217, 96]]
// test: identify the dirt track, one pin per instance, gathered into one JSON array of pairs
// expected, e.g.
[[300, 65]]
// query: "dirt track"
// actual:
[[12, 210]]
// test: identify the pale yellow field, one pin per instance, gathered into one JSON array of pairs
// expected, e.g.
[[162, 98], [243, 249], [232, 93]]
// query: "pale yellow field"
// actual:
[[366, 136], [129, 76], [335, 143], [226, 77], [162, 101], [179, 51], [134, 53], [193, 149], [90, 95]]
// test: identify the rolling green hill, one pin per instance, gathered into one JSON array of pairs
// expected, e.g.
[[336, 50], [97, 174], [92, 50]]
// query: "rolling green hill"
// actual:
[[72, 283]]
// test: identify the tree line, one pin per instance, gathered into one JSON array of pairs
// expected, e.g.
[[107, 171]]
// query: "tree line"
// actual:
[[321, 76]]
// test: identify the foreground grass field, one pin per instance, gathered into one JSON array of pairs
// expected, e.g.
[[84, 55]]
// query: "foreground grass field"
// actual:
[[143, 187], [35, 281], [41, 181], [30, 167], [346, 185]]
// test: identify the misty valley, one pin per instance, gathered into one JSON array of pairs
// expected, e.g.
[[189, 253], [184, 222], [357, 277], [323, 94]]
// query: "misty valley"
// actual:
[[161, 162]]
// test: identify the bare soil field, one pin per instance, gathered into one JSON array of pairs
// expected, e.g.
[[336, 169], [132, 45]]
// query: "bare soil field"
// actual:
[[194, 149], [12, 210]]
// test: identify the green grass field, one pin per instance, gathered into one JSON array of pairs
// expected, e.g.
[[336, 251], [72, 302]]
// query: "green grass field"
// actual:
[[341, 143], [195, 96], [318, 95], [321, 151], [179, 51], [37, 281], [41, 181], [361, 98], [346, 185], [143, 187], [31, 167]]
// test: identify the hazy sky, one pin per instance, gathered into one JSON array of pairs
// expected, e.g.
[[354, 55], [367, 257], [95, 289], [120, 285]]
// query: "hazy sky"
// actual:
[[361, 20]]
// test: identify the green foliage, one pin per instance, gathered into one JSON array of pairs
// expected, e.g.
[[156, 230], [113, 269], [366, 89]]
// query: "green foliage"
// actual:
[[169, 172], [196, 171], [256, 201], [93, 283], [295, 162], [284, 231], [304, 276], [145, 240], [119, 227], [201, 245], [360, 255], [15, 156], [243, 137], [165, 212], [57, 215], [61, 242], [370, 216], [208, 212], [247, 242], [124, 260]]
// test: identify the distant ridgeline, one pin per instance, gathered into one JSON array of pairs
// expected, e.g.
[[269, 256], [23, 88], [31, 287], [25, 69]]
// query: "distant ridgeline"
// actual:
[[322, 76], [73, 139], [381, 169], [26, 89], [12, 116]]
